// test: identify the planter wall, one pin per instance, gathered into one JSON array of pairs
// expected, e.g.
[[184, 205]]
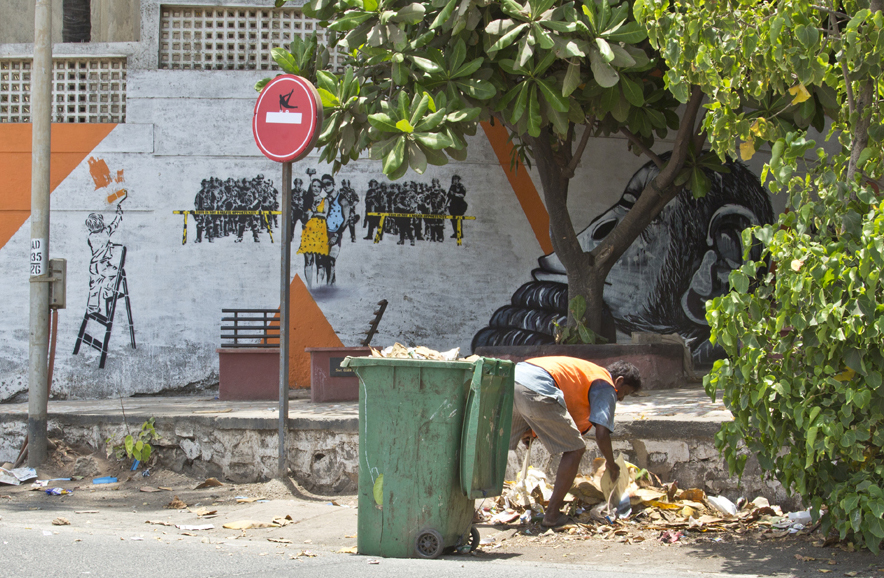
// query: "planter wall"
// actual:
[[248, 374], [328, 380], [661, 364]]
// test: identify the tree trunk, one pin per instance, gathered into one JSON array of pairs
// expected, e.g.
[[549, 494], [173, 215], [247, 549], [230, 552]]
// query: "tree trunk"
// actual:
[[587, 271], [583, 278], [864, 99]]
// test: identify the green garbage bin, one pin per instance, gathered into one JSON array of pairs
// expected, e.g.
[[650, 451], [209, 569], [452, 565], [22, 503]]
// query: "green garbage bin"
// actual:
[[433, 437]]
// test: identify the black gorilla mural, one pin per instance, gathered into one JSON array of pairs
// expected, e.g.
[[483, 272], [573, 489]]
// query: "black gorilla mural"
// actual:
[[662, 282]]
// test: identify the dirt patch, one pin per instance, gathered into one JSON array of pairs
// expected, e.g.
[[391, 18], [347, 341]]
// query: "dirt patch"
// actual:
[[146, 488]]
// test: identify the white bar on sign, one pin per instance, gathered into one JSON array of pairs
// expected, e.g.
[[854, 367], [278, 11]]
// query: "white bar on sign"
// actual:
[[283, 118]]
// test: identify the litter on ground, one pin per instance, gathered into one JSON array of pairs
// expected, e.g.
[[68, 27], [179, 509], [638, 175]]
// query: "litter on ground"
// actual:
[[636, 507]]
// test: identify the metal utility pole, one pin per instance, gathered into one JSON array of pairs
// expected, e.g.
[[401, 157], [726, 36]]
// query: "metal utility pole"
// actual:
[[284, 312], [38, 336]]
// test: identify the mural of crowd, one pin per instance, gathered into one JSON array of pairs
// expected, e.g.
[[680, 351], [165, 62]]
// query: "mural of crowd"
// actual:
[[230, 203], [414, 198], [662, 282], [328, 212]]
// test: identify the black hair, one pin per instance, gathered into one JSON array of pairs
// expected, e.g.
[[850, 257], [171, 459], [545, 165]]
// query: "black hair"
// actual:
[[628, 372]]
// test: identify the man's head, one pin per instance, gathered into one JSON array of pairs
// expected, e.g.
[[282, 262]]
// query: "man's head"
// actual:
[[627, 379], [94, 222]]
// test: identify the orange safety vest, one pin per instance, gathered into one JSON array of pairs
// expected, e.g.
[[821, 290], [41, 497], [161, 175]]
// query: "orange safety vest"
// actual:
[[574, 377]]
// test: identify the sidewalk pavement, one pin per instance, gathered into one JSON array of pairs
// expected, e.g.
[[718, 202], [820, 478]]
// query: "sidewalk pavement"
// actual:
[[683, 404]]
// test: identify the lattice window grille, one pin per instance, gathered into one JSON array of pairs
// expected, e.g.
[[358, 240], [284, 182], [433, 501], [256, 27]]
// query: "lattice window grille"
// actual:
[[84, 90], [15, 90], [223, 38], [89, 90]]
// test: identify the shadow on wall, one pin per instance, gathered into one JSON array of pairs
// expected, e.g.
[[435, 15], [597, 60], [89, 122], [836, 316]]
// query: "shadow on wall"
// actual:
[[662, 282]]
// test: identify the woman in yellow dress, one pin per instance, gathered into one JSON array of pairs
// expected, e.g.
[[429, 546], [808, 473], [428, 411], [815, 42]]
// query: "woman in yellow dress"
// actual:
[[314, 234]]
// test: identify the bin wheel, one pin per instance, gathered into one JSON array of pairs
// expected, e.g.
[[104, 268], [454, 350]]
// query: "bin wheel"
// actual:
[[428, 544], [475, 538]]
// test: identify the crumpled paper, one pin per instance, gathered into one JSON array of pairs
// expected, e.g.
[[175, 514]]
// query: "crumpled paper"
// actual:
[[397, 350]]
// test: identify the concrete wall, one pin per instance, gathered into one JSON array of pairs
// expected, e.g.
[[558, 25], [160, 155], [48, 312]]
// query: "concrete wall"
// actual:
[[322, 454], [112, 21], [187, 131], [186, 127]]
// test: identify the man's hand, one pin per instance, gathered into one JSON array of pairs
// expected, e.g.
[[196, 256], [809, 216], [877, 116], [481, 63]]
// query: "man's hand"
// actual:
[[603, 439], [526, 438], [614, 469]]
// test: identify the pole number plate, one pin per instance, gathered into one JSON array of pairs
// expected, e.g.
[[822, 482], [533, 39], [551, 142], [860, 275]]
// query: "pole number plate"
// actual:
[[38, 257]]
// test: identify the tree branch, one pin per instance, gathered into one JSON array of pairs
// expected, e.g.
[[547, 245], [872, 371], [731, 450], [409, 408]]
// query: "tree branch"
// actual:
[[830, 12], [700, 137], [682, 142], [656, 194], [851, 103], [860, 136], [641, 146], [581, 146]]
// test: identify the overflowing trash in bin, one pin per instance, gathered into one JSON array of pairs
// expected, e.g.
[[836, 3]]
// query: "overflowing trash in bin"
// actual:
[[653, 509], [399, 351]]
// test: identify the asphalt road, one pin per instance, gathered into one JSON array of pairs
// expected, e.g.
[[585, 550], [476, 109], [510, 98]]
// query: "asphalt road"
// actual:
[[68, 553], [122, 530]]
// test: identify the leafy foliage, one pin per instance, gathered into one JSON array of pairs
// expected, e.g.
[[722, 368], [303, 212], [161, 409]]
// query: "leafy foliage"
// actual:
[[138, 446], [419, 76], [579, 333], [447, 64], [802, 326]]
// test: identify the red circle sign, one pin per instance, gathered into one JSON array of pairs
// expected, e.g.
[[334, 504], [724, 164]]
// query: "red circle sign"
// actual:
[[287, 119]]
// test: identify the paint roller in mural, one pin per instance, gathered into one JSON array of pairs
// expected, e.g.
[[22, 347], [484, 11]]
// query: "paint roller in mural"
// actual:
[[662, 282], [107, 272], [227, 208]]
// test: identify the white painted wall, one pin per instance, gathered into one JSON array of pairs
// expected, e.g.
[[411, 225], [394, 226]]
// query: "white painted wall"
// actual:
[[186, 126]]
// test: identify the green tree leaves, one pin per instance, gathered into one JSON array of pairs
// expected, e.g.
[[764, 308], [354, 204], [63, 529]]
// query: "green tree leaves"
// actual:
[[815, 322], [535, 62], [805, 321]]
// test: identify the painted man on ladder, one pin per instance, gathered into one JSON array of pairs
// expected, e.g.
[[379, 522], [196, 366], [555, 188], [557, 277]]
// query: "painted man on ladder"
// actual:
[[102, 269]]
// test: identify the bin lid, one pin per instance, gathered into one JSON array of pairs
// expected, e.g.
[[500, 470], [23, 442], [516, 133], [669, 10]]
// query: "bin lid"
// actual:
[[488, 419]]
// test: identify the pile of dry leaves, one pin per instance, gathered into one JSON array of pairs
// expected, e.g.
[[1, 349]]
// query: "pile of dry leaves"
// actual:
[[646, 506]]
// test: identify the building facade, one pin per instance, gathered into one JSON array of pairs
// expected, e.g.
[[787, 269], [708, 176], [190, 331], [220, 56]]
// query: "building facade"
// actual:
[[153, 122]]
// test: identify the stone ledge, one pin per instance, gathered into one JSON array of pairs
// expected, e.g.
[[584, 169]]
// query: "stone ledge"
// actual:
[[658, 432]]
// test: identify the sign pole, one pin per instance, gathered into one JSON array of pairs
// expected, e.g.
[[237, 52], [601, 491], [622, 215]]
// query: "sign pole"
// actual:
[[284, 313], [286, 123], [38, 340]]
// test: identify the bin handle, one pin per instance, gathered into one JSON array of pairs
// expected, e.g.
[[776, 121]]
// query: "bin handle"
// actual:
[[470, 433]]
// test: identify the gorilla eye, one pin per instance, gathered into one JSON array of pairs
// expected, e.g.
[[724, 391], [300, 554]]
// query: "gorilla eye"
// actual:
[[628, 200], [604, 229], [730, 247]]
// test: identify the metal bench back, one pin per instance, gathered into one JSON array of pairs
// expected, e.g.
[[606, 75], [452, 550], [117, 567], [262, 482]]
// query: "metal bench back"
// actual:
[[250, 328]]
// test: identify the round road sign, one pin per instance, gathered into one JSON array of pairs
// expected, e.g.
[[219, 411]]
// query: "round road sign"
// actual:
[[287, 118]]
